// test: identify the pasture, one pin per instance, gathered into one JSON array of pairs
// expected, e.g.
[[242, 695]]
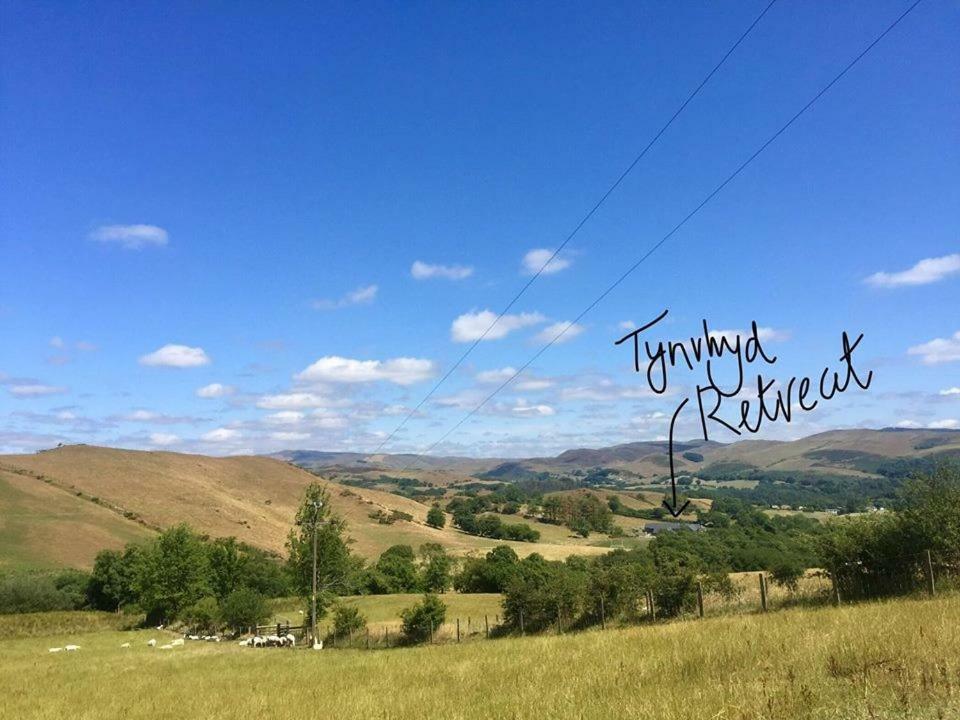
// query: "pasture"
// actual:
[[896, 659]]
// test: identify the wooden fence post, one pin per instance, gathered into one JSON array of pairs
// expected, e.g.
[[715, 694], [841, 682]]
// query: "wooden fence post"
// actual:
[[368, 638], [486, 626], [458, 629], [521, 622], [431, 630], [559, 622], [603, 617], [700, 598], [931, 582], [763, 592]]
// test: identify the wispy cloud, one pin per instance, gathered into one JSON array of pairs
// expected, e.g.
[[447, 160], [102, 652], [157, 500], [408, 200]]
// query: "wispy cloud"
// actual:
[[400, 371], [177, 356], [215, 390], [928, 270], [951, 391], [947, 424], [471, 326], [361, 296], [938, 350], [32, 390], [424, 271], [163, 439], [559, 332], [536, 261], [131, 237]]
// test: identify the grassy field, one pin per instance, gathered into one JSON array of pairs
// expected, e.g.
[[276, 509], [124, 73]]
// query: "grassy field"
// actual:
[[887, 660]]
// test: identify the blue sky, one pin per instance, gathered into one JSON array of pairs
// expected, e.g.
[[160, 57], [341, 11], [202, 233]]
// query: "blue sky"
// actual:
[[210, 216]]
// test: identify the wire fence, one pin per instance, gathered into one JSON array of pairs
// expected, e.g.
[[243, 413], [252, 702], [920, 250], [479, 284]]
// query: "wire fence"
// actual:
[[917, 575]]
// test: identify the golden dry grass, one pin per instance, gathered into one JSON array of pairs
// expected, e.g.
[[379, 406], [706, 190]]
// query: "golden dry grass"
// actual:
[[886, 660], [252, 498]]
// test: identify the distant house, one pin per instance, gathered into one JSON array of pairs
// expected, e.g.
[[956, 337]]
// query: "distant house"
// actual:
[[652, 528]]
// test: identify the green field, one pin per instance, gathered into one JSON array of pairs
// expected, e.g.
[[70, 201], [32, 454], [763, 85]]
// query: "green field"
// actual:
[[898, 659]]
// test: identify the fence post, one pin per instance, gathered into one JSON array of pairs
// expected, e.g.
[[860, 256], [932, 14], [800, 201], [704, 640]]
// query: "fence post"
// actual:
[[521, 622], [486, 626], [932, 585], [700, 598], [368, 638], [603, 616], [458, 629], [386, 636], [763, 592], [431, 630]]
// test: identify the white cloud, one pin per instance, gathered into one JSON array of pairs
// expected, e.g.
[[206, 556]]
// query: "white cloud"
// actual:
[[30, 390], [525, 410], [290, 436], [764, 334], [163, 439], [84, 346], [142, 416], [496, 376], [221, 435], [361, 296], [627, 325], [178, 356], [928, 270], [131, 237], [948, 424], [908, 424], [471, 326], [534, 260], [533, 385], [401, 371], [56, 342], [285, 417], [423, 271], [569, 329], [215, 390], [293, 401], [951, 391], [938, 350]]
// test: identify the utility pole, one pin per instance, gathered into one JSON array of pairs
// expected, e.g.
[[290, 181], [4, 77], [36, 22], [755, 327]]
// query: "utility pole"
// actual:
[[313, 597]]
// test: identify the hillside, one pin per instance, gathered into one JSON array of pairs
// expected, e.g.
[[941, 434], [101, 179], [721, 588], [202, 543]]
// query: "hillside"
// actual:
[[119, 495]]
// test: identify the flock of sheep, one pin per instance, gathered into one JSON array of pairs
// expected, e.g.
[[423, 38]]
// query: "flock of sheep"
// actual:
[[287, 640]]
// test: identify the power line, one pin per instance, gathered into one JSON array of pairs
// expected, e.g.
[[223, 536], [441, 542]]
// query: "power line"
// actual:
[[583, 221], [675, 229]]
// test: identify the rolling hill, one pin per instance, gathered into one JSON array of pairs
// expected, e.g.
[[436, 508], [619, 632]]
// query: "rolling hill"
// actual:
[[112, 496]]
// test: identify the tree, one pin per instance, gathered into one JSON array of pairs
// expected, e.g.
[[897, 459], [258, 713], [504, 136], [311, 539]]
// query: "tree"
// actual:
[[787, 573], [244, 608], [397, 566], [347, 621], [174, 573], [204, 615], [436, 568], [334, 562], [436, 518], [420, 621], [112, 581]]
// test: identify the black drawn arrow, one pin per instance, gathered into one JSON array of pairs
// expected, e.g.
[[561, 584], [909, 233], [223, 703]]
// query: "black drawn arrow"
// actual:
[[673, 478]]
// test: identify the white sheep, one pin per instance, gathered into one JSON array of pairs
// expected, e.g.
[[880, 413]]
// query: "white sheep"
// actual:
[[178, 641], [71, 648], [259, 641], [151, 642], [245, 643], [56, 649], [291, 640], [125, 645], [193, 637], [318, 645], [166, 647]]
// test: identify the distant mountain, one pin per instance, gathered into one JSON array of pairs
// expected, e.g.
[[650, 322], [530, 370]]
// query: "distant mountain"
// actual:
[[844, 452]]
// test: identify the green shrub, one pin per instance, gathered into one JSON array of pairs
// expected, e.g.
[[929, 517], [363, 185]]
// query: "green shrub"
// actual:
[[204, 615], [347, 621], [244, 608], [420, 621]]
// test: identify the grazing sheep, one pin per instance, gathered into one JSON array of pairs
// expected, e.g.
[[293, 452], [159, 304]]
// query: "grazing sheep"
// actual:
[[259, 641], [178, 641], [166, 647], [71, 648], [125, 645], [193, 637], [291, 640], [151, 642], [245, 643], [56, 649]]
